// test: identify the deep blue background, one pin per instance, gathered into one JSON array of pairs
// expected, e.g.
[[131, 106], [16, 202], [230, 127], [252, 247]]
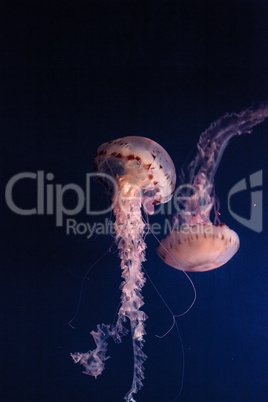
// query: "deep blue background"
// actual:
[[75, 74]]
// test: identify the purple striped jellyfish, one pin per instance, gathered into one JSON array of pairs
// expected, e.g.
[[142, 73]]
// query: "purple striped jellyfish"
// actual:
[[195, 244], [144, 175]]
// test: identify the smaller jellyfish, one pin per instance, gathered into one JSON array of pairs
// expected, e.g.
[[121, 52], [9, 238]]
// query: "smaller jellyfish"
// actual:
[[195, 244], [144, 175]]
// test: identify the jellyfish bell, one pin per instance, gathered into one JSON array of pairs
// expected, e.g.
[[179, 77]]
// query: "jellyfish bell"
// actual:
[[200, 247], [140, 167]]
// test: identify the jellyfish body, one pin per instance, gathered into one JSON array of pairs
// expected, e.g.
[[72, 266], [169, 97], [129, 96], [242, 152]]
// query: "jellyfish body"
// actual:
[[199, 247], [145, 176], [195, 244]]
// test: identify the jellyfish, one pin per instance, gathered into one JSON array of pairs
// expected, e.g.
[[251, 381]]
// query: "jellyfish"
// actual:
[[195, 243], [145, 176]]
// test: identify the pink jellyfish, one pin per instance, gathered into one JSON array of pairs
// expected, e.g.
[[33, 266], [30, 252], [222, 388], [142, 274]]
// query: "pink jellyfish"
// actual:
[[195, 244], [145, 176]]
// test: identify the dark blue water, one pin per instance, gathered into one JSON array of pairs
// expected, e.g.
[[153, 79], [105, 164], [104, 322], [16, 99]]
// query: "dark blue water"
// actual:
[[75, 74]]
